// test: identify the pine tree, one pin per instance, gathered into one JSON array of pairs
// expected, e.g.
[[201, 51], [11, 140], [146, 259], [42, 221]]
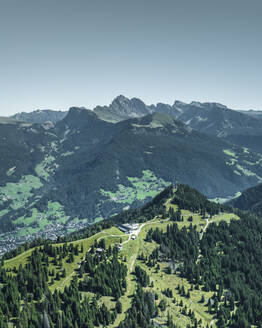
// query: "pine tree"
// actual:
[[118, 307]]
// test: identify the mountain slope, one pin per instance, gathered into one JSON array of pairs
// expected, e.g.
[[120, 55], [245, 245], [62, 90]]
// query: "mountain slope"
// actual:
[[174, 266], [252, 113], [73, 267], [87, 169], [136, 152], [250, 199], [214, 118], [217, 119], [20, 148], [239, 127]]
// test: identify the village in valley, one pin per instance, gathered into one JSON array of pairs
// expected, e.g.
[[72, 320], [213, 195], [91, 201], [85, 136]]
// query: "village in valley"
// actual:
[[12, 239]]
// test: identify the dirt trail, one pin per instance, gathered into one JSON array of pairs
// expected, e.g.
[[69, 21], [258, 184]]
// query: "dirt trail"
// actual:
[[204, 229], [133, 259]]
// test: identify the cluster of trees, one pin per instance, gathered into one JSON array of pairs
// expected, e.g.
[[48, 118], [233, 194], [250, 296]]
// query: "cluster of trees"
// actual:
[[86, 232], [69, 309], [175, 244], [26, 300], [107, 278], [63, 250], [65, 310], [175, 216], [190, 199], [22, 248], [232, 259], [58, 253], [142, 310], [230, 265], [142, 276], [168, 293], [29, 284]]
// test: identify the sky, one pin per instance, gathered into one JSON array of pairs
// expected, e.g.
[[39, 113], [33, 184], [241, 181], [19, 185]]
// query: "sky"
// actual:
[[60, 53]]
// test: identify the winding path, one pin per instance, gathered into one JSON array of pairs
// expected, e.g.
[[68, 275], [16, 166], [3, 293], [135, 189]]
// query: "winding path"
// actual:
[[204, 229]]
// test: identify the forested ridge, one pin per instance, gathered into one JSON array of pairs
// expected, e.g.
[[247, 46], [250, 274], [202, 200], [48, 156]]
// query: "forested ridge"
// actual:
[[40, 307], [221, 263]]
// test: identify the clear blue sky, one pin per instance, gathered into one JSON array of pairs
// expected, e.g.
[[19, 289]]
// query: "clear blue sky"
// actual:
[[60, 53]]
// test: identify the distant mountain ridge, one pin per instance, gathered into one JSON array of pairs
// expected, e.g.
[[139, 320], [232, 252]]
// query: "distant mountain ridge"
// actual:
[[252, 113], [192, 113], [239, 127], [40, 116], [217, 119], [123, 108]]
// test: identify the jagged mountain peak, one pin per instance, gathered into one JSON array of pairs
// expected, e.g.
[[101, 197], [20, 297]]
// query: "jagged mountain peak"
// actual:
[[121, 99], [122, 108], [79, 112], [196, 103], [178, 103], [78, 118], [128, 107]]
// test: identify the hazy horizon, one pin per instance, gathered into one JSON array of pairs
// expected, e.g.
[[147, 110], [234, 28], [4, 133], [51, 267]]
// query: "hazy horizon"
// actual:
[[59, 54]]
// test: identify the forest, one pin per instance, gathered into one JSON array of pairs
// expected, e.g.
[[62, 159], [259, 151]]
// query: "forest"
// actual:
[[225, 261], [228, 263]]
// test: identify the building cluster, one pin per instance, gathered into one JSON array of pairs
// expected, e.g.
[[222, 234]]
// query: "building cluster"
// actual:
[[128, 228]]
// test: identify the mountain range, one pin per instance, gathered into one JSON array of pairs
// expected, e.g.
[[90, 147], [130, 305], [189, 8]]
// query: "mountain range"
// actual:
[[90, 164], [239, 127]]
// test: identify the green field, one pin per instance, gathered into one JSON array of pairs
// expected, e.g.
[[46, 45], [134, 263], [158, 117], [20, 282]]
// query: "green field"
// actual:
[[19, 193], [230, 153], [37, 220], [240, 169], [148, 185], [24, 194], [44, 168]]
